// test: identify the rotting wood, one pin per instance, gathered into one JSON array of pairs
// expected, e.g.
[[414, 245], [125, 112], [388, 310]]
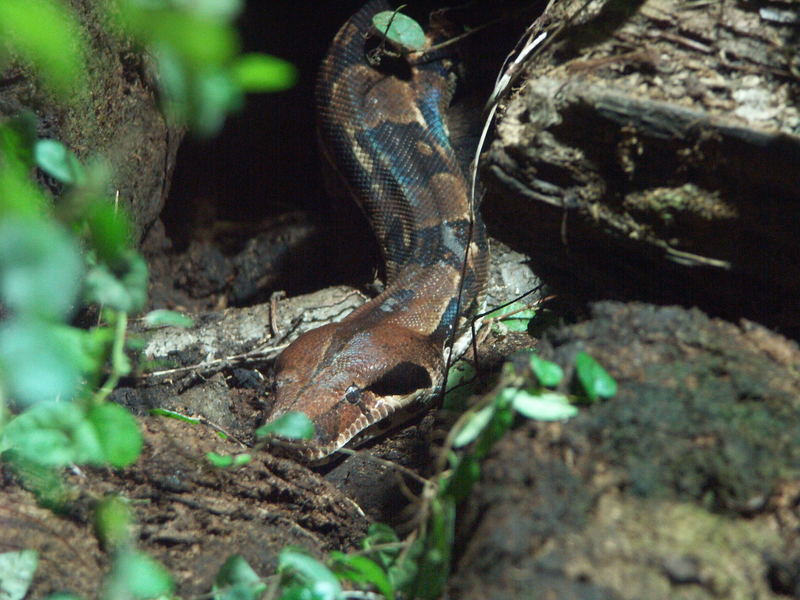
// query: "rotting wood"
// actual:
[[658, 158]]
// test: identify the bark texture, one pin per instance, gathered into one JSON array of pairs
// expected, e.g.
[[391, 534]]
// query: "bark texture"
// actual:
[[652, 152]]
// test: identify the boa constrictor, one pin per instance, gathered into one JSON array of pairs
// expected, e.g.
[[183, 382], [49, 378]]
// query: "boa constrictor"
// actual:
[[382, 130]]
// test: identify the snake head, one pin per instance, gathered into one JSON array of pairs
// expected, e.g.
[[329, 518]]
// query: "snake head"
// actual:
[[347, 377]]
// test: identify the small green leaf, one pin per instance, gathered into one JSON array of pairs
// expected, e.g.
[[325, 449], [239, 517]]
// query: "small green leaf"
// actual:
[[37, 362], [292, 425], [54, 434], [162, 317], [215, 95], [360, 569], [460, 386], [171, 414], [124, 290], [595, 380], [236, 580], [110, 231], [380, 534], [43, 480], [434, 564], [218, 10], [263, 73], [496, 428], [514, 317], [16, 573], [473, 427], [138, 575], [112, 518], [117, 432], [40, 268], [318, 579], [400, 29], [173, 81], [548, 373], [545, 406], [18, 138], [55, 159], [87, 349], [221, 461], [463, 478], [46, 35]]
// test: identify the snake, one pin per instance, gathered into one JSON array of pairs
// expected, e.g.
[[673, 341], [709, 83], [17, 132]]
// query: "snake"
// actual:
[[382, 131]]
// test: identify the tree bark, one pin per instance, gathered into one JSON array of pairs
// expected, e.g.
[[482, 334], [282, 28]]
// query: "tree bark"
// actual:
[[652, 152]]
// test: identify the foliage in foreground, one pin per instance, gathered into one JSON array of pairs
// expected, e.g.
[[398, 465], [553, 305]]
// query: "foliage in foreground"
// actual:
[[61, 255]]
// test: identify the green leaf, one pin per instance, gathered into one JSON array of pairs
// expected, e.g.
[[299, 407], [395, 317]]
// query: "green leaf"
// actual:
[[86, 349], [236, 580], [595, 380], [242, 459], [380, 534], [40, 268], [218, 10], [292, 425], [318, 579], [171, 414], [44, 481], [223, 461], [117, 432], [124, 290], [37, 362], [434, 565], [263, 73], [55, 159], [548, 373], [460, 386], [46, 35], [18, 138], [138, 575], [163, 318], [545, 406], [16, 573], [174, 82], [514, 317], [463, 478], [496, 429], [219, 460], [54, 434], [361, 569], [112, 521], [215, 95], [20, 197], [474, 426], [110, 232], [400, 29]]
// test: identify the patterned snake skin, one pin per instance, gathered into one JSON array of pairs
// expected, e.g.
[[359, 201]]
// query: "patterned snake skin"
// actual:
[[381, 128]]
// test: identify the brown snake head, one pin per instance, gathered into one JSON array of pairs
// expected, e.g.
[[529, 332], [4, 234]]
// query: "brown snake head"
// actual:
[[346, 378]]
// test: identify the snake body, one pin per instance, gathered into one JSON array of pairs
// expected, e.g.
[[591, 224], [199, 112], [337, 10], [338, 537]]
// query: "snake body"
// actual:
[[382, 130]]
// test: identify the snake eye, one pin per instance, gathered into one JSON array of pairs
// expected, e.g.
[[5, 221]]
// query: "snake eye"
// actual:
[[352, 394]]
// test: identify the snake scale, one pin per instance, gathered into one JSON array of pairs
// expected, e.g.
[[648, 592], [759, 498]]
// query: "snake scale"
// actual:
[[382, 130]]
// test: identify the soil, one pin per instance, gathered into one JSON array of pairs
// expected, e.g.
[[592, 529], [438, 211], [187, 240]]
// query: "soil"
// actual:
[[685, 484]]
